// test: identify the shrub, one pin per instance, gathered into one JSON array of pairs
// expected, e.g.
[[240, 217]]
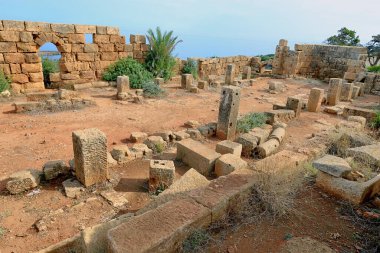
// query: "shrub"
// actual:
[[190, 67], [152, 90], [250, 121], [376, 121], [48, 66], [375, 69], [128, 67], [266, 57], [196, 241], [159, 59], [4, 82]]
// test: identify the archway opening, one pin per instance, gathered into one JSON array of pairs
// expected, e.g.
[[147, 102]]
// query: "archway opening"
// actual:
[[50, 58]]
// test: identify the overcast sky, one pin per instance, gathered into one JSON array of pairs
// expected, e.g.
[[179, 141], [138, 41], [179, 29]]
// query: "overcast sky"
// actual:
[[212, 27]]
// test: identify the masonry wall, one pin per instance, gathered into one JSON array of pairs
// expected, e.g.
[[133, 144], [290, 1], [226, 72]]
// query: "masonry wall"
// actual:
[[319, 61], [80, 62]]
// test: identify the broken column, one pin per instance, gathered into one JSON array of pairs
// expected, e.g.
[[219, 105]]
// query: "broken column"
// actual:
[[161, 175], [90, 156], [228, 112], [334, 91], [122, 83], [295, 105], [186, 81], [346, 92], [246, 73], [230, 72], [315, 100]]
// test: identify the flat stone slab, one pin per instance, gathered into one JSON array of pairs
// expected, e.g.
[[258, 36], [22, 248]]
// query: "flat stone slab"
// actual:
[[197, 156], [356, 111], [280, 115], [73, 188], [333, 165], [192, 179], [228, 163], [116, 199], [229, 147], [370, 154]]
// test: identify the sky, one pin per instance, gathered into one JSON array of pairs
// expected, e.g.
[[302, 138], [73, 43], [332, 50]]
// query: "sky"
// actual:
[[212, 27]]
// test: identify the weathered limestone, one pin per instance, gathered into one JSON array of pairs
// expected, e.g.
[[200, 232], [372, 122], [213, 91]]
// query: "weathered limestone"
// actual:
[[203, 85], [228, 163], [280, 116], [23, 180], [181, 135], [356, 111], [186, 81], [276, 86], [262, 134], [347, 90], [229, 147], [228, 112], [369, 154], [278, 134], [156, 143], [248, 142], [167, 136], [358, 119], [161, 174], [197, 156], [140, 150], [307, 244], [122, 84], [138, 137], [120, 153], [191, 124], [333, 165], [53, 169], [267, 148], [73, 188], [246, 73], [294, 104], [315, 100], [90, 155], [116, 199], [230, 74], [355, 92], [335, 88]]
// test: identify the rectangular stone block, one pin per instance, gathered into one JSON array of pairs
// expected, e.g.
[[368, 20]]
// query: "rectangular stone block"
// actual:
[[101, 38], [228, 112], [91, 48], [294, 104], [8, 47], [63, 28], [14, 58], [37, 27], [109, 56], [355, 92], [203, 85], [101, 30], [26, 37], [36, 77], [87, 57], [9, 36], [161, 174], [10, 25], [280, 116], [85, 28], [112, 30], [90, 156], [197, 156], [229, 147], [20, 78], [15, 68], [356, 111], [26, 47], [334, 91], [230, 74], [76, 38], [186, 81], [315, 100], [246, 73], [31, 68], [346, 93]]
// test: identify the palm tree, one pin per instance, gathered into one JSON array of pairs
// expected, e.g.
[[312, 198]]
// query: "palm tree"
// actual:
[[159, 59]]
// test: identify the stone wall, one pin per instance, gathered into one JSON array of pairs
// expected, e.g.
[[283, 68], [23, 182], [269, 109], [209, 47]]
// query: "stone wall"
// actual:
[[80, 62], [319, 61]]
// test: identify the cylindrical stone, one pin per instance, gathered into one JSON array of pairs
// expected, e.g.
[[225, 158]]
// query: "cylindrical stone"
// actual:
[[267, 148]]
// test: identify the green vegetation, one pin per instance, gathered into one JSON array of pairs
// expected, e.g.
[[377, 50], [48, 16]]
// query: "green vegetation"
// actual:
[[376, 121], [4, 82], [191, 67], [250, 121], [266, 57], [3, 231], [374, 50], [196, 241], [159, 60], [128, 67], [375, 69], [49, 66], [152, 90], [345, 37], [159, 147]]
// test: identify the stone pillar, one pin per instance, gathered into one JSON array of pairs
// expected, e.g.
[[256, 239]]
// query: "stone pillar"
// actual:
[[315, 100], [295, 105], [246, 73], [122, 84], [186, 81], [334, 91], [355, 92], [228, 112], [361, 88], [230, 72], [346, 93], [161, 174], [90, 156]]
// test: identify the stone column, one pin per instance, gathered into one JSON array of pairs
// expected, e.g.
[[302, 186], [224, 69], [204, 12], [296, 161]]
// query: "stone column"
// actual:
[[295, 105], [228, 112], [346, 93], [186, 81], [90, 156], [334, 91], [230, 72], [122, 84], [355, 92], [315, 100], [246, 73]]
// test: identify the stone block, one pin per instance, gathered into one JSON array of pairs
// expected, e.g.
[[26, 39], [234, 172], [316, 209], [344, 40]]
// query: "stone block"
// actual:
[[37, 27], [230, 74], [357, 111], [63, 28], [333, 165], [181, 135], [114, 198], [262, 134], [228, 163], [167, 136], [229, 147], [194, 90], [280, 116], [335, 88], [228, 112], [8, 47], [186, 81], [203, 85], [195, 134], [197, 156], [26, 37], [278, 134], [90, 154], [294, 104], [85, 29], [122, 83], [113, 30], [54, 169], [156, 143], [246, 73], [31, 68], [358, 119], [249, 143], [9, 36], [86, 57], [73, 188], [23, 180], [276, 86], [369, 154], [26, 47], [159, 81], [346, 93], [10, 25], [138, 137], [315, 100], [161, 174], [355, 92], [141, 150]]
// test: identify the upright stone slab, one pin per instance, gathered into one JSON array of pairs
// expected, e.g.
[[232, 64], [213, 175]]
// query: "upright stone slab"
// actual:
[[294, 104], [230, 72], [228, 112], [355, 92], [315, 100], [247, 73], [334, 91], [122, 83], [90, 156], [186, 81], [346, 93]]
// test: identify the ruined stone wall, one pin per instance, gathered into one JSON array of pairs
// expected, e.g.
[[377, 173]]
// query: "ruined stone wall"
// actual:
[[319, 61], [80, 62]]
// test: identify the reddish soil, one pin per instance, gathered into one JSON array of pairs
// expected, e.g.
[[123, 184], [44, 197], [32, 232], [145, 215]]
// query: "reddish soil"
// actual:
[[30, 140]]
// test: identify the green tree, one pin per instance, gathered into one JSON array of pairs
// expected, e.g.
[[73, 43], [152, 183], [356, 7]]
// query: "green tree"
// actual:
[[159, 59], [49, 66], [374, 50], [345, 37]]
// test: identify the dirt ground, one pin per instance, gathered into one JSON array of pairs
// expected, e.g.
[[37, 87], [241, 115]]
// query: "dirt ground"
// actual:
[[30, 140]]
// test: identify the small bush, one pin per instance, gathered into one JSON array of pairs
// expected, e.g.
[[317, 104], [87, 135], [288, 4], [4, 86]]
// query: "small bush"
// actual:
[[376, 121], [4, 82], [266, 57], [128, 67], [196, 241], [49, 66], [250, 121], [375, 69], [191, 67], [159, 147], [152, 90]]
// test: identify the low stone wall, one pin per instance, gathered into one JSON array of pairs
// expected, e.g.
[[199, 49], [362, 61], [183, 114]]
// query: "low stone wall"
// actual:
[[80, 62], [319, 61]]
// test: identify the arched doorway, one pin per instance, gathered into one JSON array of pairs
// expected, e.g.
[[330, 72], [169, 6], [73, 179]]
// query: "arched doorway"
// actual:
[[50, 60]]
